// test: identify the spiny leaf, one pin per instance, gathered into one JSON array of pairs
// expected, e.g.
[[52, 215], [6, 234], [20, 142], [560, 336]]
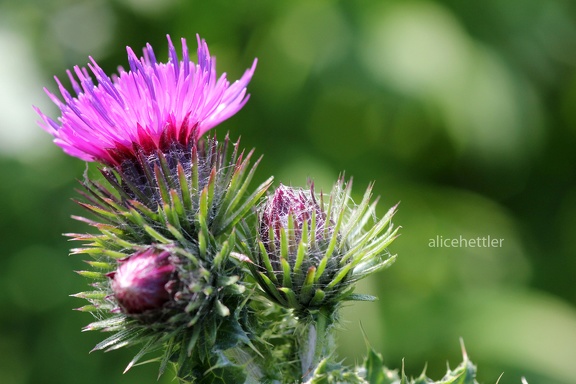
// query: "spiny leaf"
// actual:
[[98, 211], [360, 297], [90, 295], [166, 169], [357, 213], [340, 276], [161, 182], [143, 209], [270, 288], [99, 264], [376, 372], [211, 187], [88, 308], [117, 338], [156, 235], [91, 274], [111, 239], [319, 295], [148, 347], [308, 285], [290, 297], [286, 273], [267, 263], [106, 324], [221, 309], [232, 218], [301, 252], [184, 188], [236, 189]]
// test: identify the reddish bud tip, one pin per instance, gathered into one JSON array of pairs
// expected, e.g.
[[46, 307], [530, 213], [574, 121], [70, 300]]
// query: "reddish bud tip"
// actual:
[[140, 282], [285, 202]]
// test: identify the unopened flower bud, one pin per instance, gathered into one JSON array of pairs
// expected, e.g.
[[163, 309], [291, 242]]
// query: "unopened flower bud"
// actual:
[[290, 204], [314, 248], [142, 281]]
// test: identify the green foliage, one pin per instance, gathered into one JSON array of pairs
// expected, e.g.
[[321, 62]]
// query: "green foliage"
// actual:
[[328, 372], [375, 372]]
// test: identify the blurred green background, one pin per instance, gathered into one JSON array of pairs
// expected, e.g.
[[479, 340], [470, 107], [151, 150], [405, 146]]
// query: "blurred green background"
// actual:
[[464, 111]]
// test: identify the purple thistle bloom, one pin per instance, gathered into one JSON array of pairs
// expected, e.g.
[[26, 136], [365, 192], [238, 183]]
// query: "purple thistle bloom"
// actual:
[[150, 107], [142, 281]]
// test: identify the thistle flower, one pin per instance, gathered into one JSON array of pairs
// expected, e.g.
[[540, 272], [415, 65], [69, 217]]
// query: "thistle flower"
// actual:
[[145, 125], [312, 251], [149, 107], [141, 281], [167, 206]]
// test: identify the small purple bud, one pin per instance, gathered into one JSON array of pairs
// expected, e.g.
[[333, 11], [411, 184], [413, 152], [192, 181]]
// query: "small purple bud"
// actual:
[[142, 281]]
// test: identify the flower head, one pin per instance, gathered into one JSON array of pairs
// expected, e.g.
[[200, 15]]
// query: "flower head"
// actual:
[[312, 250], [151, 106], [141, 282]]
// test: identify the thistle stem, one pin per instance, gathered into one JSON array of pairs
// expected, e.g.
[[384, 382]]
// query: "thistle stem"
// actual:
[[252, 369], [316, 341]]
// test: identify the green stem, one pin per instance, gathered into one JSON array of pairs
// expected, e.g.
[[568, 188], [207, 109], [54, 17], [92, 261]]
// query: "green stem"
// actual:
[[316, 341], [252, 369]]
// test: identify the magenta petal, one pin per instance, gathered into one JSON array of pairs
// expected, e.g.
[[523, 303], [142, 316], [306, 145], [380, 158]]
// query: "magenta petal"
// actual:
[[144, 107]]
